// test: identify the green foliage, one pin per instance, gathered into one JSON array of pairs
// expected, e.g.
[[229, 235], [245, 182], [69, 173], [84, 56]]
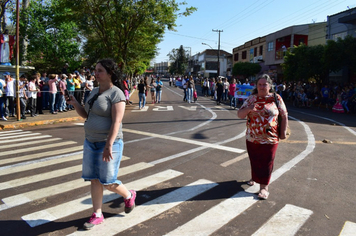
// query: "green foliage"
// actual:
[[52, 39], [246, 69], [125, 30], [316, 62], [179, 60], [305, 62]]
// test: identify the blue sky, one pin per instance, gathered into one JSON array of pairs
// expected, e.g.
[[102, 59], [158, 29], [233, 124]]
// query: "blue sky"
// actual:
[[242, 21]]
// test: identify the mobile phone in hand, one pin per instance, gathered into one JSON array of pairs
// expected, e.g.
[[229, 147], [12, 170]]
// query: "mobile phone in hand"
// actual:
[[67, 95]]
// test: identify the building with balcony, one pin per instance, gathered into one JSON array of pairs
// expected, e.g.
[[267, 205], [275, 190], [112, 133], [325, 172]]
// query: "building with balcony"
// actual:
[[206, 63], [269, 50]]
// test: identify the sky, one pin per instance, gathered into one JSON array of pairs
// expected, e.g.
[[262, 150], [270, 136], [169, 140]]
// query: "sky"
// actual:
[[241, 21]]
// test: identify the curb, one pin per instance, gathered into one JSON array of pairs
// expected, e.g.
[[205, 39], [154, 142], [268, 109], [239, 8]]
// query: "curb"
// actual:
[[37, 123]]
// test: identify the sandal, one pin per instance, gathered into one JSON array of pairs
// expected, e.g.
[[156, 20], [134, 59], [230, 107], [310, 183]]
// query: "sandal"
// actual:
[[263, 194], [250, 182]]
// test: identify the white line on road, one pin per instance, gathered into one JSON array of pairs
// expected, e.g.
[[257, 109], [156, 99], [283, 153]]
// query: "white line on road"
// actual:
[[349, 229], [20, 199], [10, 131], [14, 135], [29, 143], [36, 148], [32, 166], [49, 154], [184, 140], [19, 136], [84, 203], [285, 222], [216, 217], [150, 209], [136, 109], [290, 164], [232, 161], [25, 139], [339, 123], [40, 177]]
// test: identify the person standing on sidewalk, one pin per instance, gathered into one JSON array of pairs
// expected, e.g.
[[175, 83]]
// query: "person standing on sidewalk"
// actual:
[[52, 82], [141, 94], [23, 96], [10, 95], [103, 145], [32, 95], [2, 99], [159, 86]]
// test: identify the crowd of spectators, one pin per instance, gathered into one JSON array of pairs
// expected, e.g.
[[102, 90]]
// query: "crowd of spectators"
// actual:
[[39, 92], [307, 94]]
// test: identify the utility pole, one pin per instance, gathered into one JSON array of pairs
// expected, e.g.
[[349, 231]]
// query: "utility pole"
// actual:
[[219, 31]]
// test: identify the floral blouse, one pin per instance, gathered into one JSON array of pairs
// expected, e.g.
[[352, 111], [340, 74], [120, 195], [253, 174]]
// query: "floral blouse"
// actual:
[[262, 124]]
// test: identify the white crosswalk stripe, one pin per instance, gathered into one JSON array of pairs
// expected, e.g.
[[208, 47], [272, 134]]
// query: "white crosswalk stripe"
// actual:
[[28, 143], [349, 229], [289, 218], [61, 188], [151, 209], [40, 154], [68, 208]]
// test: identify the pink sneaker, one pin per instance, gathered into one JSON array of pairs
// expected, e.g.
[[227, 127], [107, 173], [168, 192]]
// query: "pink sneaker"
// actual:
[[130, 203], [93, 221]]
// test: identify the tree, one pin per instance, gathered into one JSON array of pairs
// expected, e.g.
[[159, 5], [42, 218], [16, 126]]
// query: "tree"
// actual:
[[305, 62], [340, 54], [246, 69], [5, 5], [125, 30], [179, 60], [52, 39]]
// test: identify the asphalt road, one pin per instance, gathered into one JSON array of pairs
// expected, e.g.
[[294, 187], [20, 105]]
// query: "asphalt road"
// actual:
[[188, 164]]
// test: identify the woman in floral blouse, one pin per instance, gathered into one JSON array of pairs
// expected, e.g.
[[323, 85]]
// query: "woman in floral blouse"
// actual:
[[262, 134]]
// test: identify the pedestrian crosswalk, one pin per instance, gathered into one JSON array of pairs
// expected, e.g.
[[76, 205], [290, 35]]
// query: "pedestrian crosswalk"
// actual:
[[284, 220]]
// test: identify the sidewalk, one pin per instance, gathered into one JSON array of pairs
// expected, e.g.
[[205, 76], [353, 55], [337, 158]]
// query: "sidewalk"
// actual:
[[45, 119]]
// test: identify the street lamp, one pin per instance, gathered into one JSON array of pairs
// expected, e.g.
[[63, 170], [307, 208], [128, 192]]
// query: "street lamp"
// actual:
[[207, 45]]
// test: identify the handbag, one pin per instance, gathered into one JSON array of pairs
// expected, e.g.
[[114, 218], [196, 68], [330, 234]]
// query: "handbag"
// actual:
[[279, 119]]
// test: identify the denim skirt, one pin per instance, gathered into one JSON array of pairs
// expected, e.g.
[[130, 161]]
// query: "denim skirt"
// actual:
[[95, 168]]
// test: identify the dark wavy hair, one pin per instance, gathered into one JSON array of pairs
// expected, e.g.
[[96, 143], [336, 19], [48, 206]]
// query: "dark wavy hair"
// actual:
[[112, 68], [269, 81]]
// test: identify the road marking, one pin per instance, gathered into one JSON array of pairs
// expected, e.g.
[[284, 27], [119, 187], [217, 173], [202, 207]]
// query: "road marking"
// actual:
[[174, 156], [349, 229], [290, 164], [36, 148], [40, 177], [9, 135], [19, 136], [25, 139], [318, 142], [216, 217], [10, 131], [28, 143], [334, 121], [136, 109], [232, 161], [38, 155], [183, 140], [285, 222], [84, 203], [150, 209], [163, 108], [191, 108], [23, 198], [43, 163], [219, 108], [36, 165]]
